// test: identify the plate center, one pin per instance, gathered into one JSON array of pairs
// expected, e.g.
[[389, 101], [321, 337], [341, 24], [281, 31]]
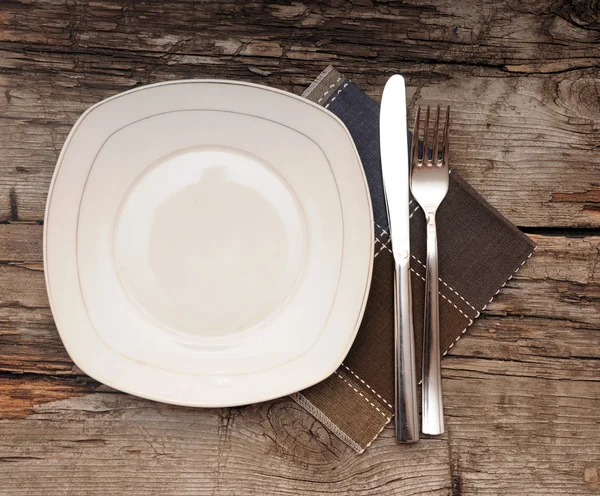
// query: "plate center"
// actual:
[[210, 241]]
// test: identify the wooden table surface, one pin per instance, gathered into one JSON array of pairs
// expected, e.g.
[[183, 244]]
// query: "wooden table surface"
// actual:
[[522, 389]]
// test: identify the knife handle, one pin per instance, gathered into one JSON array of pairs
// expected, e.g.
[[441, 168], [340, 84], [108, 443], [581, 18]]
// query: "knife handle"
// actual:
[[406, 407]]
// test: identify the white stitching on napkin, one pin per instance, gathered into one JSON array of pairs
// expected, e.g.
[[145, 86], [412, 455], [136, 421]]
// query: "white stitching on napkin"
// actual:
[[361, 380], [516, 270], [445, 298], [331, 87], [305, 403], [380, 250], [386, 245], [413, 212], [378, 432], [383, 231], [511, 276], [459, 336], [337, 94], [384, 414], [383, 243], [450, 288]]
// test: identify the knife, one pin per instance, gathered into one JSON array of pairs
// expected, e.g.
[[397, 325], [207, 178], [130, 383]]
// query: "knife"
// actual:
[[395, 169]]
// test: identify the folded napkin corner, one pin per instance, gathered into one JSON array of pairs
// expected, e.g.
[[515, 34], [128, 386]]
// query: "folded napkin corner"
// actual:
[[480, 250]]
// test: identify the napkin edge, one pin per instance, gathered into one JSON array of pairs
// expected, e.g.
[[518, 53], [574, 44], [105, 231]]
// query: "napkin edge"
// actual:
[[305, 403], [480, 311], [493, 210], [330, 78], [326, 83]]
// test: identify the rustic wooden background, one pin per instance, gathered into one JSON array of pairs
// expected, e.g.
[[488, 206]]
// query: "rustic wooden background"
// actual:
[[522, 389]]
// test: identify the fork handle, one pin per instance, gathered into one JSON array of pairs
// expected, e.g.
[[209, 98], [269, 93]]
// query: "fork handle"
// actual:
[[406, 405], [432, 407]]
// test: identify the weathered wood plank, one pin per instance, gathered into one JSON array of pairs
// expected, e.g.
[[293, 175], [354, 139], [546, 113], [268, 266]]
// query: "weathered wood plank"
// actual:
[[505, 130], [541, 36], [513, 434], [23, 285], [20, 393], [29, 343], [561, 283], [114, 444], [20, 243], [195, 451], [522, 80], [521, 389]]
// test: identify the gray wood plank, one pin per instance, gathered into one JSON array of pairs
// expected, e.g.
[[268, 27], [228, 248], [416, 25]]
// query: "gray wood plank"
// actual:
[[521, 392], [522, 81], [544, 36], [522, 389], [109, 443]]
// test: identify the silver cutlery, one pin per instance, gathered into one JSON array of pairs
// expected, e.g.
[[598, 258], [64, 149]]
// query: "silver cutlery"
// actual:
[[429, 185], [394, 164]]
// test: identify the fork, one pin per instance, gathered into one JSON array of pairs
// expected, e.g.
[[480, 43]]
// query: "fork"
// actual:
[[429, 185]]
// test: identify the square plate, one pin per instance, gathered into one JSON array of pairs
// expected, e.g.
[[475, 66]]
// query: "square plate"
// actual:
[[208, 243]]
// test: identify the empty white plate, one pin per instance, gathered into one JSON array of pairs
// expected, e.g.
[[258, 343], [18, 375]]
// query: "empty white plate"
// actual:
[[208, 243]]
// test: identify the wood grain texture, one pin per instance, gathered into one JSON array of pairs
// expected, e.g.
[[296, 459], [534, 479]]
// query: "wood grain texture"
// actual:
[[522, 398], [109, 443], [521, 388], [522, 79]]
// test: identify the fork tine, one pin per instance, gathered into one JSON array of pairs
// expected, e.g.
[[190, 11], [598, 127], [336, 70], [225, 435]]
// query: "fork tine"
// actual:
[[434, 157], [446, 142], [414, 146], [425, 149]]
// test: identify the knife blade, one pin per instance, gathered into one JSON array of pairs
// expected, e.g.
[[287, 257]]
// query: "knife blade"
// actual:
[[395, 171]]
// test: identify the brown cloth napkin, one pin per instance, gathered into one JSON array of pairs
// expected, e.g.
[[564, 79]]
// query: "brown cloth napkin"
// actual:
[[479, 252]]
